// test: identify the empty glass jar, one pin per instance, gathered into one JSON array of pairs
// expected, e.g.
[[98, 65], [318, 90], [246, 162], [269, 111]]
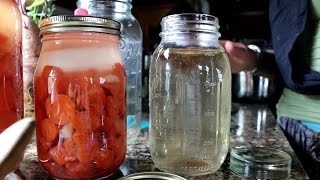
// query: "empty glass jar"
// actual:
[[131, 52], [190, 96]]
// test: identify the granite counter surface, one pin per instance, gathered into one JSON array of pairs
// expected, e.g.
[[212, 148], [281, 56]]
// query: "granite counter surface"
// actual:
[[250, 125]]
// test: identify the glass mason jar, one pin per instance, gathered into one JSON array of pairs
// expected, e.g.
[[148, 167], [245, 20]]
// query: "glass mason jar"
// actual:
[[190, 96], [131, 52], [79, 89], [11, 83]]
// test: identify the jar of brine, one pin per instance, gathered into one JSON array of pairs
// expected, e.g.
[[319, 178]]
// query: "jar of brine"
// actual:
[[80, 105], [190, 96]]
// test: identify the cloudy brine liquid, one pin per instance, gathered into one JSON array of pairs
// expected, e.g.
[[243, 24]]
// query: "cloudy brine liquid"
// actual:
[[190, 100]]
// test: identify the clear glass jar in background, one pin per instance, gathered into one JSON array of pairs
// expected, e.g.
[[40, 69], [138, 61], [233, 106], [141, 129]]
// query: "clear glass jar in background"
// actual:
[[131, 51], [80, 105], [190, 96], [11, 81]]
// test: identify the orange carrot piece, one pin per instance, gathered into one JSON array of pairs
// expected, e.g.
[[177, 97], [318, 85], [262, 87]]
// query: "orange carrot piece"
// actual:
[[43, 148], [60, 109], [54, 80], [58, 154], [96, 96], [87, 121], [118, 70], [69, 146], [48, 130], [104, 159], [84, 145]]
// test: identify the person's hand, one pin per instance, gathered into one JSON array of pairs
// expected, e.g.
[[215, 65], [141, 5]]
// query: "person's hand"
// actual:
[[241, 58]]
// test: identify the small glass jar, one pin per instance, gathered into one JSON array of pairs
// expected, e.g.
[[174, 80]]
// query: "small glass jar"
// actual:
[[131, 52], [190, 96], [80, 105], [11, 83]]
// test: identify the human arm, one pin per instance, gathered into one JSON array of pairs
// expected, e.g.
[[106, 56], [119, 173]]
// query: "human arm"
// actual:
[[243, 59]]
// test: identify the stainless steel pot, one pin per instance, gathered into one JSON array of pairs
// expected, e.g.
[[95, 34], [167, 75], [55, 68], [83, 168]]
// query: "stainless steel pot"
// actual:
[[250, 88]]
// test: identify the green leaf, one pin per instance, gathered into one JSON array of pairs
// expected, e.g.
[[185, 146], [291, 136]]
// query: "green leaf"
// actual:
[[40, 9], [35, 3]]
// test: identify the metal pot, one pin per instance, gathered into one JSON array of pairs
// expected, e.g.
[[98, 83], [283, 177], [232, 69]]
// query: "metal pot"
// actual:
[[247, 87]]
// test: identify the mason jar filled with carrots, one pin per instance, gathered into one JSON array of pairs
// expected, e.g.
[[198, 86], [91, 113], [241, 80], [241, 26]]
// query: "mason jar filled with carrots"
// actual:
[[80, 102]]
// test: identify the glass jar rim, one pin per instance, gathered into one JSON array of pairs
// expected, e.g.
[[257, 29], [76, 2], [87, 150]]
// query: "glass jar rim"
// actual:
[[190, 22], [192, 17]]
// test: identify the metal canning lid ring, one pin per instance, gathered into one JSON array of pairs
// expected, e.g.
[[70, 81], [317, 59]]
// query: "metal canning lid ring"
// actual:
[[56, 24], [153, 176]]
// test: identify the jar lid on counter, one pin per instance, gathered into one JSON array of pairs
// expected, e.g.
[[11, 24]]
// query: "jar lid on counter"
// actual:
[[65, 23], [259, 162], [153, 176]]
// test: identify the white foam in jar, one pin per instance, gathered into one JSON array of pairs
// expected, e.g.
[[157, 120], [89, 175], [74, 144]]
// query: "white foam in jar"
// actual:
[[80, 59]]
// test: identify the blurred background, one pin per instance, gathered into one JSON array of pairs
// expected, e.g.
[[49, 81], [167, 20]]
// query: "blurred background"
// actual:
[[240, 20]]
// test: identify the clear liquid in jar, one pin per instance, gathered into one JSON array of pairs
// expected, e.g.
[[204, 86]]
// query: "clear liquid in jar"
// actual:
[[190, 103]]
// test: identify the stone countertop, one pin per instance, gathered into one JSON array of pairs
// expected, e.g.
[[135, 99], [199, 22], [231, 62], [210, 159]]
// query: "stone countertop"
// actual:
[[250, 125]]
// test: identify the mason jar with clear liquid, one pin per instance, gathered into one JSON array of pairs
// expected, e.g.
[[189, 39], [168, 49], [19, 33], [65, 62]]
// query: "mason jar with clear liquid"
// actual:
[[190, 96], [131, 52]]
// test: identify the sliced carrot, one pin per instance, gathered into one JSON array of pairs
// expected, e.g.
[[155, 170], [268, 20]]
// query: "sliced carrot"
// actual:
[[105, 141], [96, 96], [90, 117], [108, 124], [115, 86], [81, 79], [40, 96], [111, 142], [84, 145], [96, 114], [46, 73], [60, 109], [80, 86], [104, 159], [69, 146], [114, 89], [116, 96], [55, 80], [119, 70], [112, 115], [86, 121], [48, 130], [43, 148], [74, 92], [120, 102], [58, 154], [112, 110]]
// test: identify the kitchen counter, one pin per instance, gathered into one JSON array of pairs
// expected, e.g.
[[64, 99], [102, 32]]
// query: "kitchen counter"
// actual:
[[250, 125]]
